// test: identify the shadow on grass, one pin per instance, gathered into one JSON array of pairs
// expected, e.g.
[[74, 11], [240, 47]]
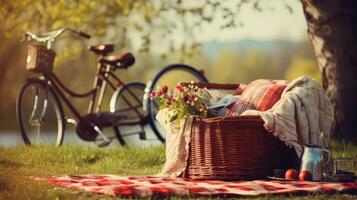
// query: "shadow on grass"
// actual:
[[8, 163], [93, 158], [3, 185]]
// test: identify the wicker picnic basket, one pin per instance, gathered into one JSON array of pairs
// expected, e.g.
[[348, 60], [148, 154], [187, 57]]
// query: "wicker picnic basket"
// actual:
[[235, 148]]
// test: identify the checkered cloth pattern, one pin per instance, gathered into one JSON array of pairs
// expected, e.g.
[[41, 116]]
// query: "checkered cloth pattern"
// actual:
[[260, 95], [134, 186]]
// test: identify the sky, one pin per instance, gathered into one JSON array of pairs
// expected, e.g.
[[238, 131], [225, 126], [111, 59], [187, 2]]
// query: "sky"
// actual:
[[266, 25], [277, 24]]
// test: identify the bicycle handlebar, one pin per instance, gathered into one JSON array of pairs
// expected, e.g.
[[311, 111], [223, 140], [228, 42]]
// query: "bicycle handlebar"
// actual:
[[85, 35], [50, 37]]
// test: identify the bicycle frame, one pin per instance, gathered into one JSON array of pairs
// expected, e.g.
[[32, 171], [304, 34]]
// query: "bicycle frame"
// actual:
[[103, 77], [103, 74]]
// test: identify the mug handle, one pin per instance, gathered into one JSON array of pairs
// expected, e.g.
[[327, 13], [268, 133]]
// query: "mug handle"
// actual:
[[329, 156]]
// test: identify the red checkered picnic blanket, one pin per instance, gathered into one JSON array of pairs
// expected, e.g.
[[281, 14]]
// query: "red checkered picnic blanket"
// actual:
[[134, 186]]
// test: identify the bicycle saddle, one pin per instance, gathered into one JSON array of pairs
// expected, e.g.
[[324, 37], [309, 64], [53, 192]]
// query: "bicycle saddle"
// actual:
[[102, 49], [120, 60]]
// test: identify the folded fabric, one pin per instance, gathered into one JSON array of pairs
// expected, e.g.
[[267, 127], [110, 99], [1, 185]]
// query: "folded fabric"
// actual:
[[220, 108], [214, 96], [136, 186], [177, 143], [302, 113], [225, 101]]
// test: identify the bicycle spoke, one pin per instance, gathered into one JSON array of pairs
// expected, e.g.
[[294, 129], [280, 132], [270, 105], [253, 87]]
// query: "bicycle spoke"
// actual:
[[44, 109], [35, 103]]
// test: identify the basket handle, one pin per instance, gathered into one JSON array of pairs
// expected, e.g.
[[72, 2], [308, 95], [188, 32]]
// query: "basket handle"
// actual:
[[217, 86], [246, 118]]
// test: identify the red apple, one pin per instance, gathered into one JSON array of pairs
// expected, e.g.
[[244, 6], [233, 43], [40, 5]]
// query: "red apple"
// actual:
[[305, 175], [291, 174]]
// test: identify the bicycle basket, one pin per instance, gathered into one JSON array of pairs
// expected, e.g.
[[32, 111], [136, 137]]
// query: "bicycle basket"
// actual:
[[39, 58]]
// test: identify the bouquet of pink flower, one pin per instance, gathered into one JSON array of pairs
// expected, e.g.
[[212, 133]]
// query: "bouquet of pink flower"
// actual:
[[183, 100]]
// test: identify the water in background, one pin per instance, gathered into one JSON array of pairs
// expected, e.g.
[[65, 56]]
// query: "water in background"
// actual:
[[10, 139]]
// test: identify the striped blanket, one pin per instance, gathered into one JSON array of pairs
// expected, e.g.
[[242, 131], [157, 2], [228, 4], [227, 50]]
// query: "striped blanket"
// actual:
[[260, 95]]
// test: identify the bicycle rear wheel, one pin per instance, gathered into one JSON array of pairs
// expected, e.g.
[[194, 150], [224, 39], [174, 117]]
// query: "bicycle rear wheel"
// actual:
[[39, 114], [127, 101], [170, 76]]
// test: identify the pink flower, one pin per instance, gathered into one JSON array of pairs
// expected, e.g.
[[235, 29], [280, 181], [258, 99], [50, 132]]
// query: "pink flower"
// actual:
[[152, 94], [179, 88], [191, 97], [182, 100], [164, 89], [169, 102]]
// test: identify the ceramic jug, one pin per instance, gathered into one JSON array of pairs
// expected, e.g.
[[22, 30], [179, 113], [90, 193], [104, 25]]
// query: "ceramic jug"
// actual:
[[314, 159]]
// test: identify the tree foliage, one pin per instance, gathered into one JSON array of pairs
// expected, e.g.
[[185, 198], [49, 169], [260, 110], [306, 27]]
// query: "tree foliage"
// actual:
[[121, 20]]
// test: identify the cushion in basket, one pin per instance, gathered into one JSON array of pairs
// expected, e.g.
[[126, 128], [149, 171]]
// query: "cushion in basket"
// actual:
[[260, 95]]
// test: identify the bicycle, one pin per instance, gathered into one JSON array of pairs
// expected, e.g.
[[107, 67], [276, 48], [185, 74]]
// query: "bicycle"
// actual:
[[126, 105]]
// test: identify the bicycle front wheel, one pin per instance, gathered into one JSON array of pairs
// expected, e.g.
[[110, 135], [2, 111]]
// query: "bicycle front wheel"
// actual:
[[39, 114], [170, 76]]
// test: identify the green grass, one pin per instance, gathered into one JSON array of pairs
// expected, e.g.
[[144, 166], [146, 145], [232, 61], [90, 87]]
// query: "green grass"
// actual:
[[16, 163], [49, 161]]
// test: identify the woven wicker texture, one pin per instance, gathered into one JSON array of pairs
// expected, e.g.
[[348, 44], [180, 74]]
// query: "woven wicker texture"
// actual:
[[39, 58], [235, 148]]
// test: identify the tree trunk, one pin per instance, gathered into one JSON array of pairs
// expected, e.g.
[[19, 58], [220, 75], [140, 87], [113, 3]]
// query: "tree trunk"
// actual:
[[332, 28]]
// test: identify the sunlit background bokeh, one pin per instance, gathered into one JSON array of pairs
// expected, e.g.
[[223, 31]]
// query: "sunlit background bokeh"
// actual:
[[265, 43]]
